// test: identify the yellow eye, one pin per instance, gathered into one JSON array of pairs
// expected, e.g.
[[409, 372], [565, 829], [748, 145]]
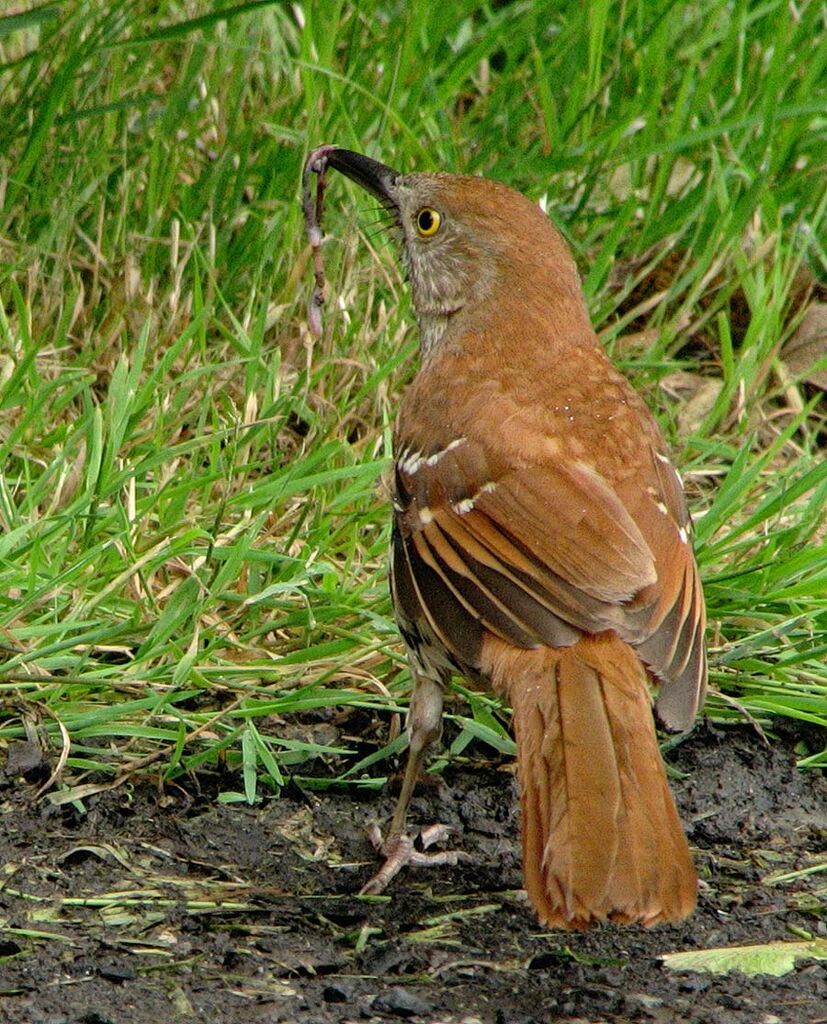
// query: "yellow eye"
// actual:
[[428, 221]]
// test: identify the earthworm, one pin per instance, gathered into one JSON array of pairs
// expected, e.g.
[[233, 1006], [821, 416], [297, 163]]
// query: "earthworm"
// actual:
[[316, 164]]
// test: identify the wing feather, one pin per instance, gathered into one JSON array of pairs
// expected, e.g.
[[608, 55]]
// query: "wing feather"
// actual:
[[542, 553]]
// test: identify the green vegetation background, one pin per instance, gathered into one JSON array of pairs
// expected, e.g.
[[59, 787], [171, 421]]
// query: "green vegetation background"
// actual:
[[193, 530]]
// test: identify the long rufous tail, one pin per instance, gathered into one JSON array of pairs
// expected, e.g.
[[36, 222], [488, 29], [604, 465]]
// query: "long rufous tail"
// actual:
[[601, 834]]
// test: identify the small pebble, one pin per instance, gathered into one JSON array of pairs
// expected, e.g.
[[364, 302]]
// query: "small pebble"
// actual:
[[401, 1003], [694, 984], [644, 1000], [337, 992], [117, 972]]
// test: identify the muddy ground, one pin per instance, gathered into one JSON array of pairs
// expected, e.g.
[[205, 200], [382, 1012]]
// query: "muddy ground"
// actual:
[[166, 906]]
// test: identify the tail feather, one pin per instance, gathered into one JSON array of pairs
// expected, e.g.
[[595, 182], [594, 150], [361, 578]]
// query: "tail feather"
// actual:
[[601, 835]]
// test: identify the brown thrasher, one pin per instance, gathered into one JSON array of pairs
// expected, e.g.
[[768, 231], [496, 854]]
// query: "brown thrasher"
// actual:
[[541, 545]]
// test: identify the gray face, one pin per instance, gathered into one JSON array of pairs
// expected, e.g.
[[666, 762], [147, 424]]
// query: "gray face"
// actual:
[[450, 265], [465, 239]]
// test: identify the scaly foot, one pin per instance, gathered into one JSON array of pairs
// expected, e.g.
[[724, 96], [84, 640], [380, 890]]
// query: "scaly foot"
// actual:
[[399, 851]]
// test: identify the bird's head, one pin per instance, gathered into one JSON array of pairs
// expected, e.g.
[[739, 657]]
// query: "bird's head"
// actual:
[[471, 246]]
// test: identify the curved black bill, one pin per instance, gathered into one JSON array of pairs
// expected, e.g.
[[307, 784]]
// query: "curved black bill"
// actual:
[[376, 178]]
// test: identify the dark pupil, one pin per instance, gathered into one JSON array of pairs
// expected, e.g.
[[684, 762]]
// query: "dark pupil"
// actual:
[[426, 220]]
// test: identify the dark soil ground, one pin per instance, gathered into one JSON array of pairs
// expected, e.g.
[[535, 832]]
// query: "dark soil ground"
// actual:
[[157, 907]]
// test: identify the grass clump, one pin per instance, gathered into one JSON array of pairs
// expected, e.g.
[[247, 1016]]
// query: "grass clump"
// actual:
[[194, 531]]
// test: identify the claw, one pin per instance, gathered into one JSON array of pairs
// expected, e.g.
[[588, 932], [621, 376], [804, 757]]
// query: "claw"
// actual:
[[399, 851], [436, 833]]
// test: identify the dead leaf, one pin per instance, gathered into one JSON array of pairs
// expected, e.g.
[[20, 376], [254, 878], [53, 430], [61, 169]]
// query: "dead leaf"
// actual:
[[24, 757], [699, 406], [808, 347], [698, 395], [773, 958]]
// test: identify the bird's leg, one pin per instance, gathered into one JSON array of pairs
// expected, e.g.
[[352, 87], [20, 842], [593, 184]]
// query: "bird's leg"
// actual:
[[424, 727]]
